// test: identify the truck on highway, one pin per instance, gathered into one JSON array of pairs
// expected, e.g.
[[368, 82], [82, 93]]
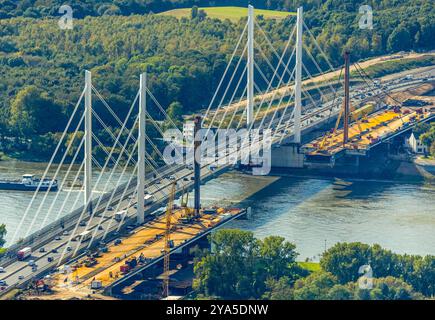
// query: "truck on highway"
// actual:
[[24, 253], [119, 216], [148, 199], [84, 236]]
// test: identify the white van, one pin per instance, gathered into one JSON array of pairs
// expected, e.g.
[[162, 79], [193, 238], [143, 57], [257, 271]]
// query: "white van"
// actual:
[[148, 199], [119, 216]]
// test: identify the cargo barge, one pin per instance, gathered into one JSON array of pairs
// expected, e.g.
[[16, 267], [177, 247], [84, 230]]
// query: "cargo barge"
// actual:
[[29, 183]]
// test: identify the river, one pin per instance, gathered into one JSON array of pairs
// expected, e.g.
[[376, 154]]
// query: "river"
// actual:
[[314, 213]]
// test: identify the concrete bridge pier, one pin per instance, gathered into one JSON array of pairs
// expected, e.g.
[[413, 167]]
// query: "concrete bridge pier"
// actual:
[[287, 156]]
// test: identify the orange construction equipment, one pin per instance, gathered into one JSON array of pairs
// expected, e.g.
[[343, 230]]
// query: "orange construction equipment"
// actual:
[[167, 245]]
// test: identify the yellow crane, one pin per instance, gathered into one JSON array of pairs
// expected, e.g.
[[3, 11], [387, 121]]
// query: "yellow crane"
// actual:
[[167, 247]]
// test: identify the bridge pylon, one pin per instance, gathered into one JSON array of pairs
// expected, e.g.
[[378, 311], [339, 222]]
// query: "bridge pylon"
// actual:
[[141, 151], [298, 79], [250, 68], [88, 140]]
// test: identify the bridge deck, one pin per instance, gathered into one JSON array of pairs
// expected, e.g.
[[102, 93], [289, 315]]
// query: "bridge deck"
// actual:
[[147, 240], [366, 134]]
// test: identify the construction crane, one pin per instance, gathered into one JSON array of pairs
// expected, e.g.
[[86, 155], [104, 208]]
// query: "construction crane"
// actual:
[[167, 247]]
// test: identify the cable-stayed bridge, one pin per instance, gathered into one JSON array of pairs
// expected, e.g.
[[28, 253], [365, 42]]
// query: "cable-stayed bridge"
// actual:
[[293, 103]]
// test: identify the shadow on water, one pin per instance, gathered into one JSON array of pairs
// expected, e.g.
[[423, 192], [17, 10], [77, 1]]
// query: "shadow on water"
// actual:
[[310, 211]]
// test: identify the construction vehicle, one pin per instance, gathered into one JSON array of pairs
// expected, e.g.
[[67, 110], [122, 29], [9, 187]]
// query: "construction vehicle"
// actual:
[[90, 262], [167, 249]]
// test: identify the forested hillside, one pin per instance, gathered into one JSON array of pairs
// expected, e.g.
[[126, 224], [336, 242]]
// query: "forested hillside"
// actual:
[[41, 66]]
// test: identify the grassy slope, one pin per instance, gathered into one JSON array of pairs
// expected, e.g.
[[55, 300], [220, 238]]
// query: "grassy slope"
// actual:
[[310, 266], [231, 13]]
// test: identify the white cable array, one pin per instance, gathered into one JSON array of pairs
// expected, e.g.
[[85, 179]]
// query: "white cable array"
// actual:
[[23, 218], [225, 73], [38, 211], [63, 184], [226, 90]]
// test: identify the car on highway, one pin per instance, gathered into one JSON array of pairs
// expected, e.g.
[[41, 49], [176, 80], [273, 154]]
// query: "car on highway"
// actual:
[[65, 233], [58, 238], [3, 283], [42, 250], [20, 277], [117, 242], [110, 209], [54, 251], [68, 249], [2, 270], [172, 178], [31, 263]]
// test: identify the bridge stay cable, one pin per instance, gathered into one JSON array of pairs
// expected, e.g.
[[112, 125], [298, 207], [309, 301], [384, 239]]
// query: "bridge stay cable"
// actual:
[[226, 91], [64, 180], [59, 166], [225, 73], [44, 176], [107, 159]]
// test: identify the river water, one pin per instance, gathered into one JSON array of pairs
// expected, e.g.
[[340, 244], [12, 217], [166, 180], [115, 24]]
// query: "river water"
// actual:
[[314, 213]]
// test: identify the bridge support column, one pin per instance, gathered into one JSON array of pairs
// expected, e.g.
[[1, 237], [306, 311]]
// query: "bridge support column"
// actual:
[[197, 165], [298, 79], [250, 68], [88, 140], [141, 151], [287, 156]]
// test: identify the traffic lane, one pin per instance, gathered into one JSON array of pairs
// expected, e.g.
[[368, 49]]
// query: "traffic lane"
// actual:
[[41, 259], [52, 245], [166, 170]]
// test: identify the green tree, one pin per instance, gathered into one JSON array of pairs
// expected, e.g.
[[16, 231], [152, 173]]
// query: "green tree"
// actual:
[[280, 289], [314, 287], [423, 277], [33, 112], [279, 258], [2, 234], [391, 288], [399, 39], [175, 112], [228, 271], [343, 260], [241, 266], [340, 292]]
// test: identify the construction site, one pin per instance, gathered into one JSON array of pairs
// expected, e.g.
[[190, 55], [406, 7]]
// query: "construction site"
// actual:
[[152, 261], [368, 135]]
